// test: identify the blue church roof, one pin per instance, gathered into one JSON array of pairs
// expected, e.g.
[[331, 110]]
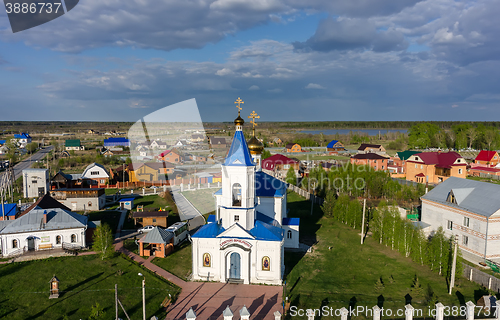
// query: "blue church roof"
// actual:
[[238, 152], [210, 230], [267, 232], [268, 186], [264, 218], [291, 221], [218, 192], [211, 218]]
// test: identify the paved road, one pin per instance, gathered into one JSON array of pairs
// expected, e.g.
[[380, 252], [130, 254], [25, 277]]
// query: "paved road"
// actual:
[[26, 163], [186, 210]]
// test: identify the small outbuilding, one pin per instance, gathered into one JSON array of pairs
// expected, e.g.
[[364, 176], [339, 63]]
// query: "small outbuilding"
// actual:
[[127, 203], [151, 218], [157, 242]]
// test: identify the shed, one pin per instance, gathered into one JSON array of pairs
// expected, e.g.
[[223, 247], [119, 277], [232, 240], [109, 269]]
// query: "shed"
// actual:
[[127, 203], [151, 218]]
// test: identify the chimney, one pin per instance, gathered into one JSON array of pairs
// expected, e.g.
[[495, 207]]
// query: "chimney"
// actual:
[[45, 216]]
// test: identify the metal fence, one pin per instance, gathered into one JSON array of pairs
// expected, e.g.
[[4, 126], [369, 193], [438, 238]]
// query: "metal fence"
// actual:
[[489, 176]]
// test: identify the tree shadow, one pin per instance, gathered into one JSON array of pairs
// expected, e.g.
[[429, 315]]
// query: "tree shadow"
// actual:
[[324, 303], [408, 299], [460, 297], [217, 313], [267, 307], [73, 287], [380, 301]]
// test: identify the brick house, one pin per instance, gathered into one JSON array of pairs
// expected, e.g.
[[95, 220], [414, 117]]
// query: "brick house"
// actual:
[[488, 158], [371, 148], [293, 147], [376, 161], [435, 167], [170, 156]]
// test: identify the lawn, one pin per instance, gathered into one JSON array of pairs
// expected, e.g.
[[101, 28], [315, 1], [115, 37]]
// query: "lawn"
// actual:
[[84, 281], [111, 217], [340, 271], [202, 199], [178, 263]]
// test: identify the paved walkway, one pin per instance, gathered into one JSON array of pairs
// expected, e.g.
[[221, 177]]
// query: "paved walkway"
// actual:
[[187, 211], [209, 299]]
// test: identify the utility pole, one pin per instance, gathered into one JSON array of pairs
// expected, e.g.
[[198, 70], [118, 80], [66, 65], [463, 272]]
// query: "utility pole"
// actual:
[[143, 296], [454, 265], [363, 222]]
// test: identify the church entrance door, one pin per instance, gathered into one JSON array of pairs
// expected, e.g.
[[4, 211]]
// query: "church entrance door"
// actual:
[[31, 243], [234, 271]]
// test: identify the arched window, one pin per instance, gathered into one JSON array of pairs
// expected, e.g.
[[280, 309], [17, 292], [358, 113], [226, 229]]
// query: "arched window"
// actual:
[[236, 195], [266, 264], [73, 238], [14, 243], [58, 239], [289, 234]]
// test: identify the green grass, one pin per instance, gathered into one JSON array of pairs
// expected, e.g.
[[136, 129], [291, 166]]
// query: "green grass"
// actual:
[[179, 262], [130, 245], [318, 157], [152, 201], [202, 199], [484, 180], [349, 271], [111, 217], [84, 281]]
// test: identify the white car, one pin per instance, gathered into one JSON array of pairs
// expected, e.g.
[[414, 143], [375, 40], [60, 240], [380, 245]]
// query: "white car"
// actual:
[[145, 229]]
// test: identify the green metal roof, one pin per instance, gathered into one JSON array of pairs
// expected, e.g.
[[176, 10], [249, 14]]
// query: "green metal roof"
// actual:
[[72, 143], [404, 155]]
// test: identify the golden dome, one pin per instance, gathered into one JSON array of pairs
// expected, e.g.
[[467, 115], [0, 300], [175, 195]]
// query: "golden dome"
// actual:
[[255, 146], [239, 121]]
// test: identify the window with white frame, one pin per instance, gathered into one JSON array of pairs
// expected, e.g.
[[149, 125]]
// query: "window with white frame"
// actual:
[[14, 243], [73, 238], [465, 240], [459, 171], [289, 234], [466, 222], [450, 225]]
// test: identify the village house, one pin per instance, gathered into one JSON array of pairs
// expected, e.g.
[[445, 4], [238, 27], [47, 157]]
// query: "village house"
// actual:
[[81, 199], [197, 137], [62, 180], [293, 147], [374, 160], [22, 139], [170, 156], [487, 158], [158, 144], [335, 146], [279, 162], [217, 143], [35, 182], [435, 167], [45, 202], [469, 209], [371, 148], [149, 171], [73, 144], [277, 141], [42, 229], [96, 175]]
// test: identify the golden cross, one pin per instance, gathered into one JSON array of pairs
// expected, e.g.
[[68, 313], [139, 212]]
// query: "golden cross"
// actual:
[[239, 101], [254, 116]]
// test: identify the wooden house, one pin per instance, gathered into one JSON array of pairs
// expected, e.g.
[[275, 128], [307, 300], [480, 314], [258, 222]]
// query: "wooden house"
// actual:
[[293, 147]]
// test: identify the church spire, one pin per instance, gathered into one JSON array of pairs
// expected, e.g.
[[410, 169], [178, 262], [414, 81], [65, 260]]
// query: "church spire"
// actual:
[[239, 121]]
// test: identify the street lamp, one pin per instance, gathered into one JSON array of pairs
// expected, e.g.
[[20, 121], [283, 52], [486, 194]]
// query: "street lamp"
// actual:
[[143, 295]]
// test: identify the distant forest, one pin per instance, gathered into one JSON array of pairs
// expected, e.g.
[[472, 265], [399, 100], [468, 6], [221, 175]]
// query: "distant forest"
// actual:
[[379, 124]]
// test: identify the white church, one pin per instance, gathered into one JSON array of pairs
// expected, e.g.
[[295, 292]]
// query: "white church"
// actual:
[[244, 241]]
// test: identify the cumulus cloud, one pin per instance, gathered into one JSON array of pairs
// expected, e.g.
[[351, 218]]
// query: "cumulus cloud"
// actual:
[[314, 86], [352, 34]]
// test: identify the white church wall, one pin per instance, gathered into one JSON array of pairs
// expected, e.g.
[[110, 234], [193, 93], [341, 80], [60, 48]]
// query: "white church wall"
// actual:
[[41, 238], [292, 242]]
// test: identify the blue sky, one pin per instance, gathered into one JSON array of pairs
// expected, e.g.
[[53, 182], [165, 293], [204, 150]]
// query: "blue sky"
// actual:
[[289, 60]]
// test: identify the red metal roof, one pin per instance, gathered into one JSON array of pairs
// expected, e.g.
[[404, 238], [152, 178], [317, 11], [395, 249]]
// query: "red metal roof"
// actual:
[[272, 161], [420, 175], [440, 159], [485, 155], [164, 153], [477, 168]]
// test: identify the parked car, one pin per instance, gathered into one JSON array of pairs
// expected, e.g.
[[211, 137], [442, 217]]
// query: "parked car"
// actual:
[[145, 229]]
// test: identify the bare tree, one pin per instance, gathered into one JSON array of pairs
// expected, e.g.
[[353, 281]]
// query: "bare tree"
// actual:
[[472, 133]]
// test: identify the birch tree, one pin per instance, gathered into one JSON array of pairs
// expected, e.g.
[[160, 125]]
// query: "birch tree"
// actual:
[[103, 241]]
